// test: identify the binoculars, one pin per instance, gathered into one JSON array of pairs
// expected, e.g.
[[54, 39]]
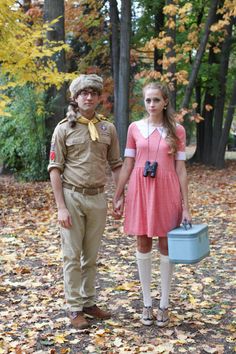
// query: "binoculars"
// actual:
[[150, 169]]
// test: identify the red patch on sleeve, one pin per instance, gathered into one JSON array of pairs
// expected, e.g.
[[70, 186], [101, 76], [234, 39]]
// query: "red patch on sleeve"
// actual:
[[52, 155]]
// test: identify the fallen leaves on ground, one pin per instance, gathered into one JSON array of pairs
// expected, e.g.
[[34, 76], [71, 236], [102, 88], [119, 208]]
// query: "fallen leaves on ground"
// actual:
[[33, 319]]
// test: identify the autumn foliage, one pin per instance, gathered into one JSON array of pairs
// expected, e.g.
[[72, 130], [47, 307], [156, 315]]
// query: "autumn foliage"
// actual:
[[33, 319], [25, 52]]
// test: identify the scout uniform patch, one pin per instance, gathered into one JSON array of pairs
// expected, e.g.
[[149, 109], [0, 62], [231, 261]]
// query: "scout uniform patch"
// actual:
[[52, 152], [103, 127]]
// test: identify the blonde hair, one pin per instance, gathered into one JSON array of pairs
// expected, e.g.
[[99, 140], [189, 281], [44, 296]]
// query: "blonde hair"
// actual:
[[169, 121]]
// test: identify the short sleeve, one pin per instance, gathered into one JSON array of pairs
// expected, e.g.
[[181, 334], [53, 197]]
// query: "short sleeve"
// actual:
[[57, 150], [130, 150], [114, 158], [181, 134]]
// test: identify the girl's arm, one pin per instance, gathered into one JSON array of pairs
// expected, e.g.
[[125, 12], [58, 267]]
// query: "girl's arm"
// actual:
[[183, 181]]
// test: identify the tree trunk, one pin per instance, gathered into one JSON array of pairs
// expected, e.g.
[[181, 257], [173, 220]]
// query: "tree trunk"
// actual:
[[115, 50], [209, 115], [200, 127], [208, 120], [220, 161], [56, 98], [199, 55], [171, 32], [159, 25], [220, 99], [198, 154], [205, 132], [122, 118]]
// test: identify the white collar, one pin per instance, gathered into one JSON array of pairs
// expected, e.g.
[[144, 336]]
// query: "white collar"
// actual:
[[147, 129]]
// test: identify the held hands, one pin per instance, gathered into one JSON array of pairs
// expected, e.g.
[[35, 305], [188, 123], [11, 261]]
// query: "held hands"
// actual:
[[64, 218], [118, 207]]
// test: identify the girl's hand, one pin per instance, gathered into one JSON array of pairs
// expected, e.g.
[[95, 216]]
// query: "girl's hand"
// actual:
[[186, 217]]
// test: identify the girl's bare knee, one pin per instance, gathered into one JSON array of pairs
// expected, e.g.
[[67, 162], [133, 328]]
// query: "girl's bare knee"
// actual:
[[163, 246], [144, 244]]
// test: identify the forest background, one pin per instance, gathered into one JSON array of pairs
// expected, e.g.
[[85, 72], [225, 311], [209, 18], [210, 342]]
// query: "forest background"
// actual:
[[45, 44]]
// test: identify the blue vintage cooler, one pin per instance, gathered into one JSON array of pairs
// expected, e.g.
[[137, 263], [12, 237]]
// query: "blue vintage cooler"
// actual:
[[188, 246]]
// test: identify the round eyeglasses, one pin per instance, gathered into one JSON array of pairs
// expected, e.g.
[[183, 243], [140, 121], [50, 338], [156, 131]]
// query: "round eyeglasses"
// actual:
[[86, 93]]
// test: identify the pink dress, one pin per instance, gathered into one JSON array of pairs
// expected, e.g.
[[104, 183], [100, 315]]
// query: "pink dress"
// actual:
[[153, 205]]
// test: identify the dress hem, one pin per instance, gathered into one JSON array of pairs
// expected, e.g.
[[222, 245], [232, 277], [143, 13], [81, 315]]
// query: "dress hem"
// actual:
[[143, 234]]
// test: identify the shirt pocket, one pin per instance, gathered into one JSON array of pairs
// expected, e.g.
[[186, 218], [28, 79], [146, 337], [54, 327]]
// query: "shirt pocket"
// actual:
[[75, 146], [100, 148]]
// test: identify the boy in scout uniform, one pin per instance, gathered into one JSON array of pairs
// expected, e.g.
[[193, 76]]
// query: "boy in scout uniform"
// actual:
[[81, 145]]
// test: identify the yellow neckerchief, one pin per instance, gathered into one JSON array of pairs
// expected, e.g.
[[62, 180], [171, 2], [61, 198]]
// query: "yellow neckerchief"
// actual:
[[91, 126]]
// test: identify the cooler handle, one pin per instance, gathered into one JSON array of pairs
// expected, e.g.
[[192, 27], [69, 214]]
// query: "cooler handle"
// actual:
[[187, 225]]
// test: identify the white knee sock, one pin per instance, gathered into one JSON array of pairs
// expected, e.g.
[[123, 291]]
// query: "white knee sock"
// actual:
[[166, 269], [144, 261]]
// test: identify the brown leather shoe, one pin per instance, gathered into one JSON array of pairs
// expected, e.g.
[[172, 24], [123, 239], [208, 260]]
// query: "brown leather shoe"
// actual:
[[96, 312], [77, 320]]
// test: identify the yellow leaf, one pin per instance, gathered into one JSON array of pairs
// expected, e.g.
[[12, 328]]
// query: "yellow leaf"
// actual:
[[183, 10], [113, 323], [59, 338], [192, 300], [182, 28], [126, 286], [208, 280], [216, 50], [100, 341], [170, 10]]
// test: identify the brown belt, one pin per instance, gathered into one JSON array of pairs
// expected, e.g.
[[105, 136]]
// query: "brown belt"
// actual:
[[88, 191]]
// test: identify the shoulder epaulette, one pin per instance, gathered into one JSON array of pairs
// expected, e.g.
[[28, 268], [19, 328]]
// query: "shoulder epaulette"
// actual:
[[63, 120], [101, 117]]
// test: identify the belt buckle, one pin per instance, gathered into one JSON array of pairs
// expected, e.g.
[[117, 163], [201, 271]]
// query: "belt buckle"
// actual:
[[83, 191]]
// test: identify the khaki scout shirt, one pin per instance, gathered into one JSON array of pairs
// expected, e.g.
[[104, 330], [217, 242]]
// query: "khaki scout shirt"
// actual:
[[82, 162]]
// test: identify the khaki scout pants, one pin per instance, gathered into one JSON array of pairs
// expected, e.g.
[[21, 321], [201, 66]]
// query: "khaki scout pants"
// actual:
[[80, 245]]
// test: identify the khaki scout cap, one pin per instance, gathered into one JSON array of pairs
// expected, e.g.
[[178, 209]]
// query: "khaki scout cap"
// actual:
[[86, 81]]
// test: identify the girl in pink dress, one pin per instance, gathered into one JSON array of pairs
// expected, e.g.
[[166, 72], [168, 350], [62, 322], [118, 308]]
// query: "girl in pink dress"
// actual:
[[157, 194]]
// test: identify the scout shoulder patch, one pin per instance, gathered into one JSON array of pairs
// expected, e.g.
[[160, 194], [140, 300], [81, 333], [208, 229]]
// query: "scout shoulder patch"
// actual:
[[52, 156], [52, 152], [103, 127]]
